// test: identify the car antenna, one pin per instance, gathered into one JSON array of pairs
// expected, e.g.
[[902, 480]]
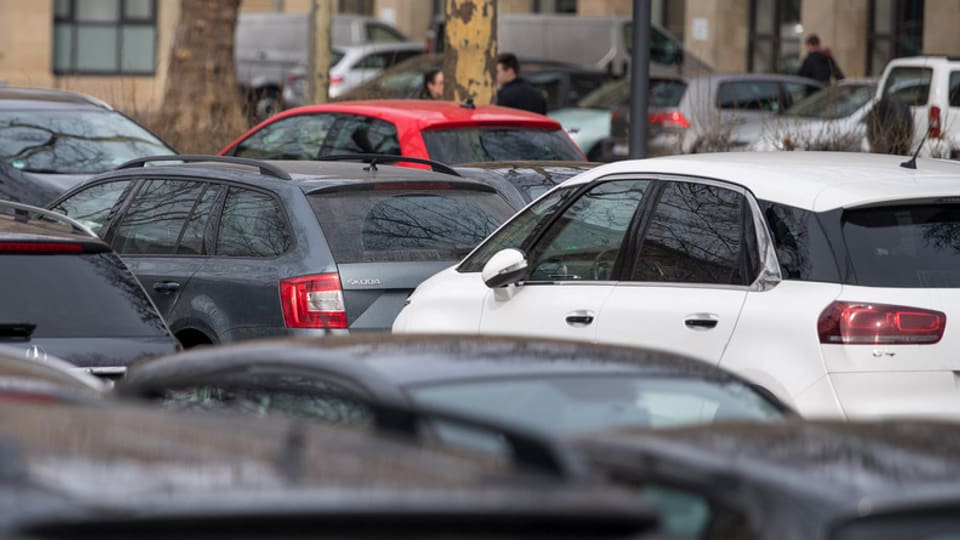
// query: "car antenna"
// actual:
[[468, 104], [912, 162], [372, 166]]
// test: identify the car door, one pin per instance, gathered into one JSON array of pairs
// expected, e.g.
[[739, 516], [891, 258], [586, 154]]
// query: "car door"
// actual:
[[571, 267], [160, 236], [689, 278]]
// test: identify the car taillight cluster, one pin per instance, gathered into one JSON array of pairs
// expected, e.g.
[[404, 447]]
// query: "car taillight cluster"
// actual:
[[856, 323], [674, 119], [336, 79], [40, 247], [313, 302], [933, 124]]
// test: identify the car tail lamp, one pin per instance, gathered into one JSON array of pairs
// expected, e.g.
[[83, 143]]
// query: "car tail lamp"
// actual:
[[293, 78], [336, 79], [934, 123], [861, 323], [313, 302], [40, 247], [673, 119]]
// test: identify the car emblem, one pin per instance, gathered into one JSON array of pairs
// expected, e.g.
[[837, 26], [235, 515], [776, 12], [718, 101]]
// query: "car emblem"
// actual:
[[34, 352], [370, 281]]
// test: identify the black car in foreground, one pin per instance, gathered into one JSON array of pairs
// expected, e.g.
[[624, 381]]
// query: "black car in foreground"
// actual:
[[66, 293], [806, 480], [557, 387], [232, 248]]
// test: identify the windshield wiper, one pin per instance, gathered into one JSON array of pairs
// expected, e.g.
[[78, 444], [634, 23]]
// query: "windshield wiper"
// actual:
[[17, 330]]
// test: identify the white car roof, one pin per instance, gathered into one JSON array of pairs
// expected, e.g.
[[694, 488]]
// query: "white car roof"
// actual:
[[817, 181]]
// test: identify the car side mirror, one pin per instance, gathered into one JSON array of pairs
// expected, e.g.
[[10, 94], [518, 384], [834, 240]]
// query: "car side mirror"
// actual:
[[506, 267]]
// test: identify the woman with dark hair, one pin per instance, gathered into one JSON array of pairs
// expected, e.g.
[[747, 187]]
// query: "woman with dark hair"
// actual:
[[432, 87]]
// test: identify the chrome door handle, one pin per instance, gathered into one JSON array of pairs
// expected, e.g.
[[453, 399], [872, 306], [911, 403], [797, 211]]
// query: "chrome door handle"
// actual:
[[166, 286], [579, 318], [701, 321]]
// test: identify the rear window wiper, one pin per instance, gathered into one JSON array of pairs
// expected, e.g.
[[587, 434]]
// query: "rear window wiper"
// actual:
[[17, 330]]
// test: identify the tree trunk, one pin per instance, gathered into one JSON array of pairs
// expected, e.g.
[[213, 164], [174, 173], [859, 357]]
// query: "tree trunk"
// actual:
[[318, 72], [470, 59], [202, 107]]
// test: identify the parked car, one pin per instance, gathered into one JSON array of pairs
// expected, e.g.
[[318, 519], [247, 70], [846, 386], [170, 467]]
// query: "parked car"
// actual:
[[826, 277], [350, 66], [436, 130], [51, 140], [833, 118], [67, 294], [930, 87], [706, 114], [793, 480], [523, 181], [269, 45], [562, 83], [232, 249], [40, 377], [556, 387]]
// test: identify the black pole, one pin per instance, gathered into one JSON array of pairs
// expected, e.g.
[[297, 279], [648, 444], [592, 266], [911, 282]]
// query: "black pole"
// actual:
[[639, 79]]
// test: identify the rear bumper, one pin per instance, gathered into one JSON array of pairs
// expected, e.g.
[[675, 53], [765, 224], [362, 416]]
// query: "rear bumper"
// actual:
[[899, 393]]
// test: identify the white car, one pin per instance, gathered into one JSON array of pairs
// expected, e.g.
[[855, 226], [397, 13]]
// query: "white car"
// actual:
[[826, 278]]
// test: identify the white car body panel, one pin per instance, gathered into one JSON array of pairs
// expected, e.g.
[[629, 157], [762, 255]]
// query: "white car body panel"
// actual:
[[454, 304], [541, 310]]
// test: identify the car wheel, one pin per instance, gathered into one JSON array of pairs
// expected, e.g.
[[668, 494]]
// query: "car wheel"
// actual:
[[264, 104]]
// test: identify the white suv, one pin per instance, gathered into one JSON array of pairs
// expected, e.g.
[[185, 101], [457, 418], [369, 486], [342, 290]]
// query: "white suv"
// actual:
[[827, 278], [930, 86]]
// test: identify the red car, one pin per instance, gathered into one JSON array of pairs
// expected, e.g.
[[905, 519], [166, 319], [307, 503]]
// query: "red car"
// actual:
[[438, 130]]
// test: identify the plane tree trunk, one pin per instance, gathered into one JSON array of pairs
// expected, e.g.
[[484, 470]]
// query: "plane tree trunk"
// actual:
[[470, 59]]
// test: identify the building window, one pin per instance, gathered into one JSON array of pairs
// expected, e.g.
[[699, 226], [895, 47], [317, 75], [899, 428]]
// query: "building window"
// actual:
[[358, 7], [775, 36], [105, 37], [894, 29], [555, 6]]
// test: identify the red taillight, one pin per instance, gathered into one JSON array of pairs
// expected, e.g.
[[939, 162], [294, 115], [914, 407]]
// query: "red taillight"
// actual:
[[856, 323], [294, 77], [669, 119], [313, 302], [40, 247], [336, 79], [934, 123]]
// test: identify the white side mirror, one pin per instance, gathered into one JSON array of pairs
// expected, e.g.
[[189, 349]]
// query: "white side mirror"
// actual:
[[506, 267]]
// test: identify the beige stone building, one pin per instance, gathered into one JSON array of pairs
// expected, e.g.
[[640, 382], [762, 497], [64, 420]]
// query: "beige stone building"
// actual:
[[118, 49]]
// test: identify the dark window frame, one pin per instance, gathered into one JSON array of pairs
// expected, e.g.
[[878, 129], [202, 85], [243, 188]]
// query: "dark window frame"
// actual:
[[123, 21], [897, 35], [773, 38]]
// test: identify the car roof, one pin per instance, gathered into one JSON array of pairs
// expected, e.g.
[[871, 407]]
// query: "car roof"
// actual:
[[378, 46], [427, 114], [386, 363], [18, 98], [817, 181], [838, 465]]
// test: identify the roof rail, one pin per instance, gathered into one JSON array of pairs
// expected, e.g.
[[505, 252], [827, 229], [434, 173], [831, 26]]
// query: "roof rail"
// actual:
[[373, 159], [265, 168], [26, 208]]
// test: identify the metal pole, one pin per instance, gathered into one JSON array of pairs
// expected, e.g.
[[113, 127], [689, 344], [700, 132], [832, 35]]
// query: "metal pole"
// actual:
[[639, 79]]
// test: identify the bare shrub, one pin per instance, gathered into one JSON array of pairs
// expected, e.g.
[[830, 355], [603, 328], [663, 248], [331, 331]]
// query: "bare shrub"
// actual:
[[194, 139]]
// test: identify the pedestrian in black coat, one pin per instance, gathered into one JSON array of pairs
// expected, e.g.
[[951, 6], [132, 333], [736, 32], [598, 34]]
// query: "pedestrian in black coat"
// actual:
[[515, 91], [819, 64]]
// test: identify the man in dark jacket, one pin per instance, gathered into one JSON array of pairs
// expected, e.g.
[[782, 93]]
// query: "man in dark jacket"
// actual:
[[819, 64], [514, 90]]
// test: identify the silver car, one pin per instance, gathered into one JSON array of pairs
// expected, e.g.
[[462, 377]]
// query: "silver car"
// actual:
[[351, 65]]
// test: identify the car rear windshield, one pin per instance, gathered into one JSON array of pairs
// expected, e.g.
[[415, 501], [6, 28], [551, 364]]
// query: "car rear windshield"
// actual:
[[90, 295], [905, 246], [432, 223], [469, 144]]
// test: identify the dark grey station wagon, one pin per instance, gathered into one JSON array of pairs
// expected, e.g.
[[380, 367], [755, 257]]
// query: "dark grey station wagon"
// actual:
[[231, 248]]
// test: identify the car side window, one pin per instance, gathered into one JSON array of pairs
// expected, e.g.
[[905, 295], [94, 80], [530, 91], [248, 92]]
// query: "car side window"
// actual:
[[152, 223], [797, 91], [373, 61], [252, 224], [294, 137], [695, 235], [750, 96], [909, 84], [93, 206], [191, 238], [955, 88], [584, 241], [355, 134]]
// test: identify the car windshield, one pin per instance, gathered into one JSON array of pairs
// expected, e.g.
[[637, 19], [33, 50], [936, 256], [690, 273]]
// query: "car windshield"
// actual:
[[663, 93], [570, 405], [73, 142], [916, 525], [503, 143], [834, 102]]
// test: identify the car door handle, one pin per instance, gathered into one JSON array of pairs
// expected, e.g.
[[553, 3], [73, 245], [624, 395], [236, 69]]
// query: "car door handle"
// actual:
[[701, 321], [579, 318], [166, 286]]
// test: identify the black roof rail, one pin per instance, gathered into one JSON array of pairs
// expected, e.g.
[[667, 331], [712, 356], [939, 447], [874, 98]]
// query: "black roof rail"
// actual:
[[374, 159], [267, 169], [24, 210]]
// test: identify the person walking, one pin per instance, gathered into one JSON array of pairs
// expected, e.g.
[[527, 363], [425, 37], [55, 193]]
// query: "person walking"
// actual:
[[819, 64], [514, 90], [432, 86]]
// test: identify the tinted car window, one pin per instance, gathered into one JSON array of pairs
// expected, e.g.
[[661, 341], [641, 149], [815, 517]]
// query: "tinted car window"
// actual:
[[78, 142], [407, 225], [666, 92], [800, 243], [909, 84], [904, 246], [152, 223], [515, 233], [294, 137], [91, 295], [356, 134], [466, 145], [955, 88], [798, 91], [191, 239], [92, 206], [252, 224], [584, 241], [695, 236], [750, 96]]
